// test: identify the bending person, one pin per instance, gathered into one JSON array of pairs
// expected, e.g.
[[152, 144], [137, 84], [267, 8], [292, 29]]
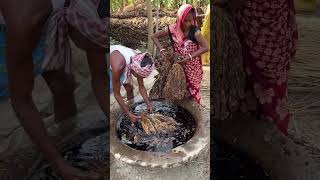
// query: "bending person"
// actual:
[[124, 64]]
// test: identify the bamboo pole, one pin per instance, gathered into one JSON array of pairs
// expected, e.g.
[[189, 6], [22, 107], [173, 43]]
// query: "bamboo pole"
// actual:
[[150, 26], [157, 23]]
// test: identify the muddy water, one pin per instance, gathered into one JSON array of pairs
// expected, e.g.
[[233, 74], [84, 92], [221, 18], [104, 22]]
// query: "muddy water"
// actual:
[[86, 151], [229, 163], [162, 142]]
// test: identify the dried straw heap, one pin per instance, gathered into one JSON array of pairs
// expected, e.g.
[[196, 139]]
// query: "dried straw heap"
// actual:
[[171, 82], [157, 123], [227, 74], [130, 26]]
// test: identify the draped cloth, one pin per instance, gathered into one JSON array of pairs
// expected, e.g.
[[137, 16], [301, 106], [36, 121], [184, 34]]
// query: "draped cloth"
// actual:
[[80, 15], [268, 34], [135, 66]]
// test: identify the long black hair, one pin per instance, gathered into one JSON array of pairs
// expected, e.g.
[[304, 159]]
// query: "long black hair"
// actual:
[[103, 9], [147, 60]]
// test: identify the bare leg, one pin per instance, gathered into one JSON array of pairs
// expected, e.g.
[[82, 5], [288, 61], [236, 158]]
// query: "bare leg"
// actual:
[[62, 87], [97, 62], [24, 19], [129, 89]]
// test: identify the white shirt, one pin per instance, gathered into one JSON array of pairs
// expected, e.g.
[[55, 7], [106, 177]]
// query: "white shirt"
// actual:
[[126, 52]]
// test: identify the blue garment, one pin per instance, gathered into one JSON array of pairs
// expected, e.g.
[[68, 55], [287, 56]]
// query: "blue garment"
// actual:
[[110, 83], [38, 56]]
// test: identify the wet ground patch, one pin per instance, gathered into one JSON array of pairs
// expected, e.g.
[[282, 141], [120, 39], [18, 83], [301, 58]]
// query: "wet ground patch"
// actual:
[[228, 163], [87, 151]]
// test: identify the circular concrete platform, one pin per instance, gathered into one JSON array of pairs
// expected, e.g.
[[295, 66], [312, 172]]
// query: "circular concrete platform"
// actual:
[[176, 156]]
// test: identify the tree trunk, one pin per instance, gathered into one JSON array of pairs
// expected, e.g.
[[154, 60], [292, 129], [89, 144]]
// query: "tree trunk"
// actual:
[[150, 26], [184, 1], [157, 23], [122, 4]]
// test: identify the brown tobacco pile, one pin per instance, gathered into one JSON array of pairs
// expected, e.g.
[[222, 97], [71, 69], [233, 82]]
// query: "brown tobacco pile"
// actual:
[[227, 73], [157, 123], [171, 81]]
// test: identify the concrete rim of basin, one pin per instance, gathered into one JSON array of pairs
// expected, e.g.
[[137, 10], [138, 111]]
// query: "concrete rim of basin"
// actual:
[[176, 156]]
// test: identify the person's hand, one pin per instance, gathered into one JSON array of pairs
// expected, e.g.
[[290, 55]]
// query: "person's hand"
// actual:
[[184, 61], [133, 118], [150, 109], [163, 52]]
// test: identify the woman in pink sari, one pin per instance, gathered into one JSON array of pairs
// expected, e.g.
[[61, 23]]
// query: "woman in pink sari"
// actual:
[[190, 44], [268, 35]]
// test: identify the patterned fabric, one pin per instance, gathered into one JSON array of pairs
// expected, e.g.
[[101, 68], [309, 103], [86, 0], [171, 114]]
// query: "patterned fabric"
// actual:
[[268, 33], [184, 47], [81, 15], [135, 65]]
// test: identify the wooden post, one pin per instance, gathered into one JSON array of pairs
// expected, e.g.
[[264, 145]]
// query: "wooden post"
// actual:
[[150, 26], [157, 23]]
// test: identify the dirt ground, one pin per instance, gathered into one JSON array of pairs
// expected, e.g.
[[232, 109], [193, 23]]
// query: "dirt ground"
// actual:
[[304, 93]]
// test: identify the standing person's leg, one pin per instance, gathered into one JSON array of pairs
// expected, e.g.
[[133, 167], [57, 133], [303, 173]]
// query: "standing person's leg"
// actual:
[[129, 90], [24, 19], [62, 86], [96, 56]]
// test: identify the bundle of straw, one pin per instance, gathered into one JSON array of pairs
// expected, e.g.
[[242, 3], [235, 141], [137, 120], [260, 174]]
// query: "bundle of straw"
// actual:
[[227, 75]]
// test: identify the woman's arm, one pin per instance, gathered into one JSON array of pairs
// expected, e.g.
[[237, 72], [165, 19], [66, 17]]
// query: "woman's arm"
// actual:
[[203, 48], [156, 36], [202, 43]]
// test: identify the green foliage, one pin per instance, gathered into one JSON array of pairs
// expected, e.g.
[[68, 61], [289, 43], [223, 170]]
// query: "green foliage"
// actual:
[[116, 5]]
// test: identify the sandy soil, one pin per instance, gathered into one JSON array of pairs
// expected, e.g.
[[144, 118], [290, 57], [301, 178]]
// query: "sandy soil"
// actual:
[[305, 124]]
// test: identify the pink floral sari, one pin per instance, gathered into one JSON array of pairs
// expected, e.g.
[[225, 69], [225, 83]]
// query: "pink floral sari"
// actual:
[[184, 47], [268, 35]]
